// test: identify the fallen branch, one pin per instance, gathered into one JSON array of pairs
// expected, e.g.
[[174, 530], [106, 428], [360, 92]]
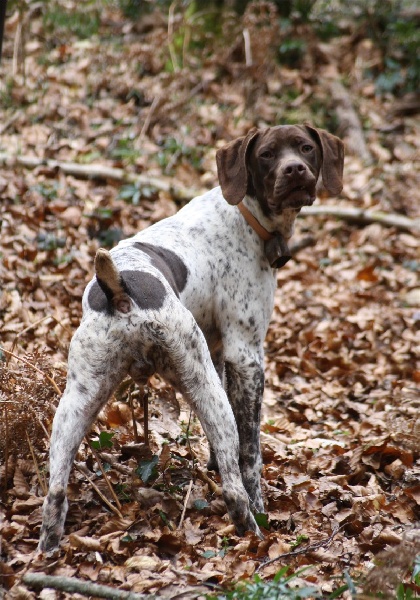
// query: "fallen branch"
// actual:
[[77, 586], [180, 192], [93, 171], [364, 217]]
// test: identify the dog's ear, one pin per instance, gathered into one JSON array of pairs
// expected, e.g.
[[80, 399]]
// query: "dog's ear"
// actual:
[[232, 168], [332, 159]]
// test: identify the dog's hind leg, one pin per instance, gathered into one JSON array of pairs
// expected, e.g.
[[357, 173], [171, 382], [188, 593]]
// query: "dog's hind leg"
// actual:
[[94, 371], [186, 363]]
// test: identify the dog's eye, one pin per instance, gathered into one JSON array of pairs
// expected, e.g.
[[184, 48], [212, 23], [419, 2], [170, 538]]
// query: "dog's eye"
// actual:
[[307, 148], [266, 154]]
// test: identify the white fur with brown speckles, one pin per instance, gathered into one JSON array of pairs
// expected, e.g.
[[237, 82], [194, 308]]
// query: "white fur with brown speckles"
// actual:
[[196, 299]]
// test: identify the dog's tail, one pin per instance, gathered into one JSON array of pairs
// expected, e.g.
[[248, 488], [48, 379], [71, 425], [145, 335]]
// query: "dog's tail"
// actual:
[[111, 281], [107, 273]]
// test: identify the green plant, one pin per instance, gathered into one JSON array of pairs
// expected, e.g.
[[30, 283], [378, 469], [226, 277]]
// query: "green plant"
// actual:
[[278, 588], [6, 93], [299, 540], [222, 552], [392, 27], [124, 150], [103, 441], [291, 51], [407, 591], [134, 192], [83, 23], [48, 191], [147, 469], [262, 520], [123, 492], [49, 241], [174, 151]]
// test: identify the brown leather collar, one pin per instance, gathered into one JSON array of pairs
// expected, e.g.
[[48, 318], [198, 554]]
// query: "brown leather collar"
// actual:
[[254, 223], [275, 246]]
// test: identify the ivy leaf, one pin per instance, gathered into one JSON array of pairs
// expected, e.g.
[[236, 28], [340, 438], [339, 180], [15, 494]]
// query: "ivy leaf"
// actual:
[[104, 440], [200, 503], [147, 469], [262, 520]]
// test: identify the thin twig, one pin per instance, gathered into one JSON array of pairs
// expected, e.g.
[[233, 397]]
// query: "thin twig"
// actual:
[[6, 449], [106, 478], [305, 550], [98, 491], [187, 433], [26, 362], [147, 120], [214, 488], [170, 36], [41, 479], [187, 497], [248, 51], [145, 401], [16, 45], [133, 416]]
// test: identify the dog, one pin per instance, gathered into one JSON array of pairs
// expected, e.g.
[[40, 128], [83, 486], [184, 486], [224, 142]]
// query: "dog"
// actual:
[[191, 298]]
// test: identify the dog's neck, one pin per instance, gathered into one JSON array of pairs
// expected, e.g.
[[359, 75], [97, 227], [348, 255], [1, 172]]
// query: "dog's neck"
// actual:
[[284, 223], [276, 249]]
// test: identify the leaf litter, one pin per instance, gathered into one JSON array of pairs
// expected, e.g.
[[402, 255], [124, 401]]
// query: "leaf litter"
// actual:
[[341, 425]]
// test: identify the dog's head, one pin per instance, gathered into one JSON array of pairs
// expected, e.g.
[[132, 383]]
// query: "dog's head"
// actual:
[[280, 166]]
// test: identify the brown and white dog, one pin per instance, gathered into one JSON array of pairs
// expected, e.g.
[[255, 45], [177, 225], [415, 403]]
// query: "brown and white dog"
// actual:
[[191, 298]]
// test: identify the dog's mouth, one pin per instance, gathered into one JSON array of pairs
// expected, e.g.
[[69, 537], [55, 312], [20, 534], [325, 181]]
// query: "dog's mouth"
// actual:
[[299, 196], [294, 198]]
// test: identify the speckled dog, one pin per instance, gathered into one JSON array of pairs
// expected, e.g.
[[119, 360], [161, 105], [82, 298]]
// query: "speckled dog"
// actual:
[[190, 298]]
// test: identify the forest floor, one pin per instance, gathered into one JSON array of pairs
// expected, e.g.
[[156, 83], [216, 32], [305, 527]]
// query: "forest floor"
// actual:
[[341, 425]]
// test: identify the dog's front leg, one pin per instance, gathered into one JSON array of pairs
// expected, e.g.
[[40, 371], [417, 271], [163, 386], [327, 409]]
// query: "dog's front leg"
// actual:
[[245, 385]]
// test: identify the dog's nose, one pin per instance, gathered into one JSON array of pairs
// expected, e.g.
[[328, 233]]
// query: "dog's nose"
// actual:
[[291, 169]]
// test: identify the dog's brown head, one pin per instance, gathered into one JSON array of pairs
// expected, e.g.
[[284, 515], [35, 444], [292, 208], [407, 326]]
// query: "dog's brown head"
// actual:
[[280, 166]]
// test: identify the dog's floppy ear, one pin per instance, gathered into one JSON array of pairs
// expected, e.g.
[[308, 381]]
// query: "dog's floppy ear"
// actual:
[[332, 159], [232, 169]]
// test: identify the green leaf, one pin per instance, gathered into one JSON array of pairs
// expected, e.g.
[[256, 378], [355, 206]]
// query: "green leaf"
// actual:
[[280, 574], [147, 468], [103, 440], [209, 554], [262, 520], [164, 518], [299, 540], [200, 503]]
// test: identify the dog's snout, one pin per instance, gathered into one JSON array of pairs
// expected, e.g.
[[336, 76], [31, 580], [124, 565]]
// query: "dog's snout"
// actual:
[[294, 168]]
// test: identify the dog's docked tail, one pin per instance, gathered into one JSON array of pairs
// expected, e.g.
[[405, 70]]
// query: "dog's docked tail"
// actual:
[[111, 281]]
